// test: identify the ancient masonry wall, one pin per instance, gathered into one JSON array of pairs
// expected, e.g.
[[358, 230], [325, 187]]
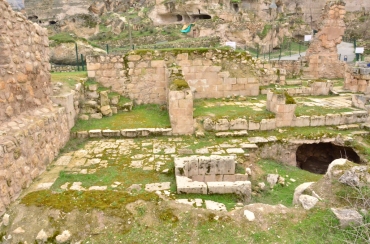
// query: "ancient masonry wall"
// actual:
[[24, 64], [31, 130], [357, 78], [322, 56], [213, 73]]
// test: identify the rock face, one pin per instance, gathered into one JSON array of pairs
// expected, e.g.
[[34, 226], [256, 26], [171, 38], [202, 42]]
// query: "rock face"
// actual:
[[65, 53], [322, 54], [347, 217]]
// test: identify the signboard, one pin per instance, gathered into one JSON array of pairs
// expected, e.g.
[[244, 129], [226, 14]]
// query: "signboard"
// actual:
[[307, 38], [360, 50], [231, 44]]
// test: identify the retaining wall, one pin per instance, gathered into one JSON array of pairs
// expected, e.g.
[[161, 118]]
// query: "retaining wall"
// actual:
[[31, 130]]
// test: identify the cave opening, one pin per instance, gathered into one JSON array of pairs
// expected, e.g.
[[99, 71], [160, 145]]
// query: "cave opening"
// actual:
[[201, 16], [33, 17], [236, 7], [179, 17], [52, 22], [316, 158]]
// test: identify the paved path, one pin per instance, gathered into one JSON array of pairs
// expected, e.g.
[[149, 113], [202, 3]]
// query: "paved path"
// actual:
[[344, 49]]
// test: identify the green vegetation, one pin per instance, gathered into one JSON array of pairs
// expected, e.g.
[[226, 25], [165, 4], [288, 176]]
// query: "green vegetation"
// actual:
[[68, 78], [63, 37], [179, 84], [70, 200], [141, 116], [265, 31], [289, 99], [217, 108], [281, 194], [302, 110]]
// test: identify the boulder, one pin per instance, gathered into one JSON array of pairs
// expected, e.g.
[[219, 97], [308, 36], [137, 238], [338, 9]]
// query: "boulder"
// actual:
[[104, 99], [356, 176], [249, 215], [106, 110], [64, 237], [307, 201], [42, 236], [299, 190], [272, 179], [347, 217], [65, 53]]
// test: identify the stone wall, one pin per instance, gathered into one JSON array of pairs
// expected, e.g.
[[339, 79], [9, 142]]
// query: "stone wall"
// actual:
[[24, 64], [357, 78], [32, 130], [210, 175], [138, 77], [180, 109], [293, 68], [142, 75], [322, 55]]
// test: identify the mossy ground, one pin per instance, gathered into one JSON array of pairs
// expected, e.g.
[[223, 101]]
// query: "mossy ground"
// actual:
[[141, 116]]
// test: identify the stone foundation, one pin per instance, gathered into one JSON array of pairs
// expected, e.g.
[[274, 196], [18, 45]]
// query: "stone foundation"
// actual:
[[210, 175], [31, 130], [28, 144]]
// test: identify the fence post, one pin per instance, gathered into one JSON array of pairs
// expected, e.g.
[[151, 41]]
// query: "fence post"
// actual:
[[107, 49], [78, 67], [269, 52], [82, 62], [290, 48], [258, 50], [299, 48], [280, 54]]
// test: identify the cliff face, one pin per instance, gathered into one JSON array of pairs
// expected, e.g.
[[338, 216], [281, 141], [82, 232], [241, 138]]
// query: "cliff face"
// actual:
[[16, 4], [55, 10]]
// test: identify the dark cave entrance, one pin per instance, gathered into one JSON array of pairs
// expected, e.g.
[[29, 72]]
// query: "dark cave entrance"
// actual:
[[179, 17], [201, 16], [33, 17], [236, 7], [316, 158], [52, 22]]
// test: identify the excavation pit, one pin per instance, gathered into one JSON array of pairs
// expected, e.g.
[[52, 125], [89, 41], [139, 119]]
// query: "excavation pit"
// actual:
[[316, 158]]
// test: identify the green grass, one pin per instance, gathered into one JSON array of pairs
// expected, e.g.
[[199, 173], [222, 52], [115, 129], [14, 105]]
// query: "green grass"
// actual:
[[232, 111], [319, 110], [142, 116], [63, 37], [282, 194], [68, 78]]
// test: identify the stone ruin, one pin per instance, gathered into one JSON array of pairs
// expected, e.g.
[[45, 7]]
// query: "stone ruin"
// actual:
[[322, 56], [32, 130], [357, 78], [210, 175]]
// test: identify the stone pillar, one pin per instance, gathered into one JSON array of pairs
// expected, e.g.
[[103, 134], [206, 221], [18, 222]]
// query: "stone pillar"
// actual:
[[180, 108], [322, 55]]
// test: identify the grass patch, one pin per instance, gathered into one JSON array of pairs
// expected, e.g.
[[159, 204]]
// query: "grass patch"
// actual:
[[87, 200], [217, 109], [142, 116], [62, 37], [282, 194], [70, 79], [302, 110]]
